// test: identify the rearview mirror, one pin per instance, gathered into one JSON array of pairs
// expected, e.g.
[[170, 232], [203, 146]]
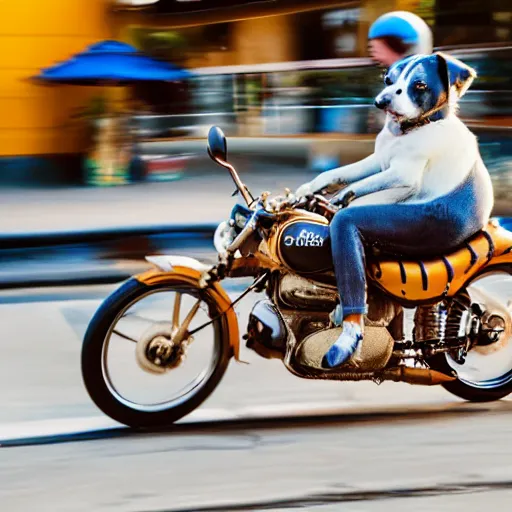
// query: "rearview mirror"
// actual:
[[217, 147], [218, 151]]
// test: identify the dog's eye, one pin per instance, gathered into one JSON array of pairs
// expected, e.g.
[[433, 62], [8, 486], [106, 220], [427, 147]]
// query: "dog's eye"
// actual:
[[420, 86], [388, 80]]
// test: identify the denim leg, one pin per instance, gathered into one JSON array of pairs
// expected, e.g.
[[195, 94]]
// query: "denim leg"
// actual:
[[421, 229], [408, 228], [349, 263]]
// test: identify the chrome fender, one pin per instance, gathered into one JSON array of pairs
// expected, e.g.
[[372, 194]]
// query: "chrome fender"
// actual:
[[172, 269], [168, 263]]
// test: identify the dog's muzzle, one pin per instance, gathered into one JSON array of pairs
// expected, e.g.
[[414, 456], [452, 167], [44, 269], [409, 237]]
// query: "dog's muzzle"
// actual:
[[383, 102]]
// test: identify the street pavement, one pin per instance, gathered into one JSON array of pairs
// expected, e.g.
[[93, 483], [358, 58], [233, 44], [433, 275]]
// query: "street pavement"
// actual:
[[448, 462], [384, 446], [199, 197]]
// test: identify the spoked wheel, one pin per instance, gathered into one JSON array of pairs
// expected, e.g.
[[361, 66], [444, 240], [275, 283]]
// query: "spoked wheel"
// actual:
[[486, 374], [140, 365]]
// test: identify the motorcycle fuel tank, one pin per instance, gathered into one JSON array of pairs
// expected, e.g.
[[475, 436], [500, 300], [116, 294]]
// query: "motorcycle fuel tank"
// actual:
[[305, 247]]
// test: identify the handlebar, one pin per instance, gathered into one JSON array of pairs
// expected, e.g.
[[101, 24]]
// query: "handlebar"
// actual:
[[315, 203], [248, 229], [327, 209]]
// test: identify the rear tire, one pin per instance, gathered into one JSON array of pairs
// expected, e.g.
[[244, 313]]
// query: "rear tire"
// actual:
[[92, 356], [465, 391], [496, 384], [470, 394]]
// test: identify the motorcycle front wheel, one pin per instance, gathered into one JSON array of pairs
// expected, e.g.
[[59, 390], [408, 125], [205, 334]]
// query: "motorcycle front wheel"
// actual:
[[130, 367]]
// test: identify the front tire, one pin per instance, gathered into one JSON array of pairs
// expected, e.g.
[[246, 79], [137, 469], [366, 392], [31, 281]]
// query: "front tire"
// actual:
[[93, 359]]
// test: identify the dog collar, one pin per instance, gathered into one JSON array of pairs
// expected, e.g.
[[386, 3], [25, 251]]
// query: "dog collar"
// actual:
[[409, 125]]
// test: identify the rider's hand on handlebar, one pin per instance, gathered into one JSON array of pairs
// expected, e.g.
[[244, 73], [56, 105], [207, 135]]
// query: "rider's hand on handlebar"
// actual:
[[344, 198], [305, 190], [280, 202]]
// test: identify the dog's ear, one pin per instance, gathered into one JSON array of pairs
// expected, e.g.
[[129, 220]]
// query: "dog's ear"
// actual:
[[443, 71], [460, 75]]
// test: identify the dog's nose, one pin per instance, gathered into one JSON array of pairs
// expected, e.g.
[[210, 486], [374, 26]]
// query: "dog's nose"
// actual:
[[382, 102]]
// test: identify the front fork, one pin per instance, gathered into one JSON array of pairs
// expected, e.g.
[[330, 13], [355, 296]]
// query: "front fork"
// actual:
[[174, 270]]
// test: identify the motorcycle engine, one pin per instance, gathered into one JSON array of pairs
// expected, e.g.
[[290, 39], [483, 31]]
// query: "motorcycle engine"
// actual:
[[298, 292], [439, 323], [266, 331]]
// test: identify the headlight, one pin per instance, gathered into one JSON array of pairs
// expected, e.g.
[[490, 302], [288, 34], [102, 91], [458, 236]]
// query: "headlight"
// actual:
[[239, 216], [224, 235], [240, 220]]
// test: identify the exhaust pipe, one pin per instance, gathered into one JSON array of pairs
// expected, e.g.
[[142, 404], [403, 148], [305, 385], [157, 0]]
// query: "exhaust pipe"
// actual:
[[418, 376]]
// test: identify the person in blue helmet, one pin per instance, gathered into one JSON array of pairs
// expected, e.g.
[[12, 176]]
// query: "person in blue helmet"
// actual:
[[396, 35], [393, 37]]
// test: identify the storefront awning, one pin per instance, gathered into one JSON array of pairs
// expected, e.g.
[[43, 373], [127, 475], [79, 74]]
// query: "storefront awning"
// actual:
[[111, 62]]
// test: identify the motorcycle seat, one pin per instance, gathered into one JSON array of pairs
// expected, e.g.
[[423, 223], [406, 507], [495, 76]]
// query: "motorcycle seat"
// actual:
[[423, 279], [381, 252]]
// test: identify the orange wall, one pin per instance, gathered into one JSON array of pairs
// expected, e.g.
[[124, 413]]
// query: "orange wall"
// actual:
[[34, 34], [36, 119], [254, 41], [260, 40]]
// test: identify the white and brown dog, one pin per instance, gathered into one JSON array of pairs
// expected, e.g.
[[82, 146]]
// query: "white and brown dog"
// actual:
[[425, 189], [424, 149]]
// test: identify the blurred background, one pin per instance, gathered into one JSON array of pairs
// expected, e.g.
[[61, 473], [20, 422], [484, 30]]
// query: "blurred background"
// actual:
[[267, 72], [106, 105], [104, 110]]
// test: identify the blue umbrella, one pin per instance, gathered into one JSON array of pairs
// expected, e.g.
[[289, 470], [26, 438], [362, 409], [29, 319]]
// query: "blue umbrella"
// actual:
[[111, 62]]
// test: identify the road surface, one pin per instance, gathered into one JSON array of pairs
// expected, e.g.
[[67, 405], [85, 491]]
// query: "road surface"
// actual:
[[200, 197], [388, 447]]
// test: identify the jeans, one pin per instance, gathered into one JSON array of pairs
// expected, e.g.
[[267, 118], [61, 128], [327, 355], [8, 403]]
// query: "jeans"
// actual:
[[415, 229]]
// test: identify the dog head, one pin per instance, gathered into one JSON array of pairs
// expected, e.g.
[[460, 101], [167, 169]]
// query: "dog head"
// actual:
[[423, 87]]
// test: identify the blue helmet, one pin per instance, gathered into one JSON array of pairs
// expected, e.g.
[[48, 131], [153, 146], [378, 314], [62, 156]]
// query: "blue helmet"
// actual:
[[408, 27]]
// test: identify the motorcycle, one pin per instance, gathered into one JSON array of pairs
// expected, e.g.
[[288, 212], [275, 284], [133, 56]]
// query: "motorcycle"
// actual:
[[460, 338]]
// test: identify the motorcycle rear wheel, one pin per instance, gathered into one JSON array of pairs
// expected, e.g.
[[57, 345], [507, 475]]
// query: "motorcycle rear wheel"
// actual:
[[486, 375], [96, 376]]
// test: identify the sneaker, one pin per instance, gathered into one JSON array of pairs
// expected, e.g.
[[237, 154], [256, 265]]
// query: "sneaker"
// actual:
[[345, 346]]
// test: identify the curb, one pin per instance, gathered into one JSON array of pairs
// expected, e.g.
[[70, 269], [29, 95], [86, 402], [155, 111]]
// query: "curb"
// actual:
[[9, 241], [60, 430], [101, 256], [93, 257]]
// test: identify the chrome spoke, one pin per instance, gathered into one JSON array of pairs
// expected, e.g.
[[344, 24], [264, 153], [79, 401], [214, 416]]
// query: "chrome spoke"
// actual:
[[153, 315], [176, 312], [136, 317], [124, 336], [180, 333]]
